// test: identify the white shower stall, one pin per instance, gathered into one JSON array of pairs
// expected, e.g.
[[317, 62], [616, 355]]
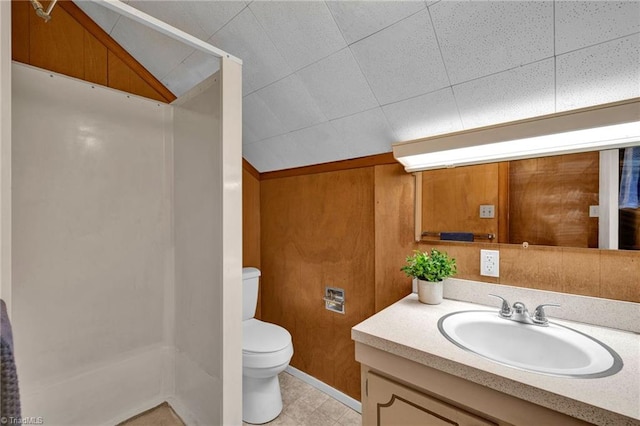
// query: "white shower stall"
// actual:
[[125, 251]]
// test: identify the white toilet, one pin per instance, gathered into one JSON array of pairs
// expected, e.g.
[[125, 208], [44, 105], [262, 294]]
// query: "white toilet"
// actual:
[[266, 352]]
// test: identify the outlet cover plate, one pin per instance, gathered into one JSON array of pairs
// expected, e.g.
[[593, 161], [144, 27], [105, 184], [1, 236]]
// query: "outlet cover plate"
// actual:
[[490, 263], [487, 211]]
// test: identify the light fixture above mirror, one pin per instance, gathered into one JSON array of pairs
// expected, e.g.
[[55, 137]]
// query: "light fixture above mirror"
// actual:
[[608, 126]]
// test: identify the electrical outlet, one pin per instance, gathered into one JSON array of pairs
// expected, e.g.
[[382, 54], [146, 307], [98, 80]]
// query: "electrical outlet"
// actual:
[[594, 211], [487, 211], [490, 263]]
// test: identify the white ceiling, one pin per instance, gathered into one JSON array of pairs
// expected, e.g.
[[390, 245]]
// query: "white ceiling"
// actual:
[[332, 80]]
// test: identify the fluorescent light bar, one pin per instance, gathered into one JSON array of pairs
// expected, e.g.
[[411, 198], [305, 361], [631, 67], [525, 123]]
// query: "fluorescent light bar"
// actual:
[[618, 135], [616, 126]]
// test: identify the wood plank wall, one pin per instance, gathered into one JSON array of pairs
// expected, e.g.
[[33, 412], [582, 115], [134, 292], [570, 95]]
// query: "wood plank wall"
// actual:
[[72, 44], [550, 198], [461, 190], [251, 221], [317, 231], [394, 234]]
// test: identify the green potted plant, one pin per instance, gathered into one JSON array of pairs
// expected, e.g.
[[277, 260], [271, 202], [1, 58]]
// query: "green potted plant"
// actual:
[[431, 269]]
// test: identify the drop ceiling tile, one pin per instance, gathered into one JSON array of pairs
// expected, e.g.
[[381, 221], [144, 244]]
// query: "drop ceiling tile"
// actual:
[[247, 134], [245, 38], [366, 133], [258, 119], [303, 31], [176, 14], [156, 52], [318, 144], [263, 155], [402, 60], [359, 19], [522, 92], [211, 16], [337, 85], [485, 37], [102, 16], [426, 115], [288, 153], [193, 70], [585, 23], [604, 73], [290, 101]]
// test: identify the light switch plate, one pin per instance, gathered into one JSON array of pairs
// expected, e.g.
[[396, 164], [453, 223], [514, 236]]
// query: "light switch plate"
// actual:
[[490, 263]]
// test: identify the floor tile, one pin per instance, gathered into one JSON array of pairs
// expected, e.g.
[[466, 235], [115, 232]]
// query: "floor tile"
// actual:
[[314, 398], [332, 409], [350, 418], [317, 419], [298, 410], [284, 420], [304, 405]]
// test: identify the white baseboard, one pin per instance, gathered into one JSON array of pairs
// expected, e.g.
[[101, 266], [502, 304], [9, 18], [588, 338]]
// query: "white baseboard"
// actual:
[[322, 386]]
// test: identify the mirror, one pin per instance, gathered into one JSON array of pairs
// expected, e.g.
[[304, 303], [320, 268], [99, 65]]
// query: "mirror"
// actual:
[[550, 201]]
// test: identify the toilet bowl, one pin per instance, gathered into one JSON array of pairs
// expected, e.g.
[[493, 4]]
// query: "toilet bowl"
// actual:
[[266, 351]]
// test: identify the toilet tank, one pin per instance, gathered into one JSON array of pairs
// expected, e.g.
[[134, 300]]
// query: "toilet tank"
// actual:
[[250, 282]]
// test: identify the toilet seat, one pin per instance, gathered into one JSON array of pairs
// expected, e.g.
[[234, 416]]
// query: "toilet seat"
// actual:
[[265, 345], [259, 336]]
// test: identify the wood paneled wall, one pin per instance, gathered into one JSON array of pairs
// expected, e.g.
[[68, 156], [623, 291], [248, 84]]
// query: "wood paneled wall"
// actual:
[[462, 190], [251, 220], [549, 200], [72, 44], [394, 234], [317, 231]]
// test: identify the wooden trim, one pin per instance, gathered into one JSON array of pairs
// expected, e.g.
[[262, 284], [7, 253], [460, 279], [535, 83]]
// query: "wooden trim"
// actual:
[[249, 168], [417, 207], [355, 163], [104, 38], [503, 202]]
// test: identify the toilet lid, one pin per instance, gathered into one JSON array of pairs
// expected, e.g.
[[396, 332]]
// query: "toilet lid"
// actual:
[[258, 336]]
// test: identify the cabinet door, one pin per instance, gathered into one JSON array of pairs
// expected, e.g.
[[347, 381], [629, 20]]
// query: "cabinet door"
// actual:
[[389, 403]]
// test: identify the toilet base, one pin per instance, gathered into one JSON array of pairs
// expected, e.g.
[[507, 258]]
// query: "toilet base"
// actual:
[[261, 399]]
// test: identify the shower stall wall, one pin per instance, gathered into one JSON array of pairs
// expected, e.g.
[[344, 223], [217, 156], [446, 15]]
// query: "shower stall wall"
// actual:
[[126, 250]]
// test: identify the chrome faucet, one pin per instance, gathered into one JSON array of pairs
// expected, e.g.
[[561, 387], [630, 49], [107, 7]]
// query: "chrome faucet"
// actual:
[[539, 316], [519, 312]]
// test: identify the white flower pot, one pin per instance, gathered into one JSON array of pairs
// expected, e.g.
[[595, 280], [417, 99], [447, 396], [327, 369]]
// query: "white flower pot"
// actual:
[[430, 292]]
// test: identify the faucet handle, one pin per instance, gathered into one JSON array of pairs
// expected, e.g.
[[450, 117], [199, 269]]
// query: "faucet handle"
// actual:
[[539, 316], [520, 308], [505, 310]]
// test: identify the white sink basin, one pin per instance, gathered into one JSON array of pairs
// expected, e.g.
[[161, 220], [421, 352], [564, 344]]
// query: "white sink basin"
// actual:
[[554, 350]]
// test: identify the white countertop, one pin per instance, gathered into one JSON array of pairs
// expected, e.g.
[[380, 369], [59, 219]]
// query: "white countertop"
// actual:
[[409, 329]]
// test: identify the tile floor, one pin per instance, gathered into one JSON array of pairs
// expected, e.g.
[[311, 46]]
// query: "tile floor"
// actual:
[[304, 405]]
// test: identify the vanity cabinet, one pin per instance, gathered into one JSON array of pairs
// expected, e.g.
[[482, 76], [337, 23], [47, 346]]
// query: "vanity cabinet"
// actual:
[[390, 403], [398, 391]]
